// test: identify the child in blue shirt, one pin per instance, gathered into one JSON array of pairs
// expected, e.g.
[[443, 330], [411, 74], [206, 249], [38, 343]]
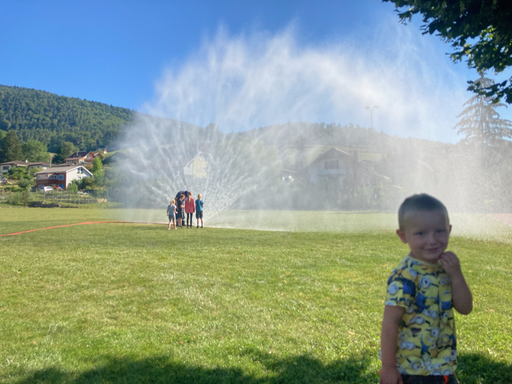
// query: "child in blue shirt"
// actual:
[[171, 213], [199, 210]]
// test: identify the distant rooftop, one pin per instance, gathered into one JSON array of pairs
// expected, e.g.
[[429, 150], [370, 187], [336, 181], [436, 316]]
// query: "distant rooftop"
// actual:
[[61, 169]]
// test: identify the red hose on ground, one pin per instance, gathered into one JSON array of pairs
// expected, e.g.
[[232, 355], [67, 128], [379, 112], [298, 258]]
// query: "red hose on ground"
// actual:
[[60, 226]]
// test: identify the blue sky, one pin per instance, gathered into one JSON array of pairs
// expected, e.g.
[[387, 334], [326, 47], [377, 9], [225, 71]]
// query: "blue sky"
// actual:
[[121, 52]]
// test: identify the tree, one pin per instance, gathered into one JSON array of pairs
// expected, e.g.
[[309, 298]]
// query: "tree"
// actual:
[[19, 173], [2, 137], [73, 186], [97, 170], [480, 31], [4, 124], [481, 122], [97, 165], [34, 150], [58, 159], [11, 148], [67, 148]]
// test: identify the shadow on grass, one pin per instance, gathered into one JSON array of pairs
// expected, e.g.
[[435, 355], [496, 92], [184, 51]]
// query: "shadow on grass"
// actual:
[[479, 369], [301, 369], [473, 369]]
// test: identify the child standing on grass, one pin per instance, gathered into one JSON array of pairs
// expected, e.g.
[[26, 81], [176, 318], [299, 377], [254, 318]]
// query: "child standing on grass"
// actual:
[[199, 210], [189, 209], [171, 212], [180, 209], [418, 342]]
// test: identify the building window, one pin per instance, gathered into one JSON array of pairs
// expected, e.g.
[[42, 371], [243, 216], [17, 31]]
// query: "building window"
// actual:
[[331, 164], [61, 177]]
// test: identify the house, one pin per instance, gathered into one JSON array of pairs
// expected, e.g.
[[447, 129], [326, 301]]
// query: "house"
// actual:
[[197, 166], [4, 167], [61, 176], [166, 163], [342, 167], [76, 158], [82, 157], [39, 164], [334, 164]]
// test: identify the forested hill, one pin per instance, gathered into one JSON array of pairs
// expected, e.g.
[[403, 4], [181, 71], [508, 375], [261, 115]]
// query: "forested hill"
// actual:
[[53, 119]]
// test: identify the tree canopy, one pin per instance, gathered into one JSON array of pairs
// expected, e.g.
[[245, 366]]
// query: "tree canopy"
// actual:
[[34, 150], [53, 119], [480, 31], [67, 148]]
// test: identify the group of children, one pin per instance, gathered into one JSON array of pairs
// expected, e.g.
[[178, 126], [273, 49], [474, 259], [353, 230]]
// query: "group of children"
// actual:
[[184, 204]]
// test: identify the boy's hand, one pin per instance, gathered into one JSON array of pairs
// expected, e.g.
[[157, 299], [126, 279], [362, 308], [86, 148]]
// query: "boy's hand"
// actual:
[[462, 298], [390, 375], [451, 264]]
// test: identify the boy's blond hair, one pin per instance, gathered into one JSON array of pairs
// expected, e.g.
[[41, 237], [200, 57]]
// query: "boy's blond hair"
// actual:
[[421, 202]]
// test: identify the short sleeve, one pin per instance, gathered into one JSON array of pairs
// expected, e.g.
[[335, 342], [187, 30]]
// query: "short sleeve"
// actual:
[[401, 291]]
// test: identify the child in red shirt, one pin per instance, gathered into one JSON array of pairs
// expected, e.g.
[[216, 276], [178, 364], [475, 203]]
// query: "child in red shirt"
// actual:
[[190, 208]]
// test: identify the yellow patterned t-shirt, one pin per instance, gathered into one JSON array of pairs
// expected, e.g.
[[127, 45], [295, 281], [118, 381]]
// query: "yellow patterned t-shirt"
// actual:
[[426, 334]]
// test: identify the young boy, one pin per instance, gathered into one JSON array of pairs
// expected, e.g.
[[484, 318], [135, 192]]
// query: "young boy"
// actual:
[[199, 210], [181, 209], [418, 343], [171, 213]]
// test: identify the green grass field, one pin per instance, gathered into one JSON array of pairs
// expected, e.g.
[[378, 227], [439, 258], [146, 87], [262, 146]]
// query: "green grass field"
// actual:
[[135, 303]]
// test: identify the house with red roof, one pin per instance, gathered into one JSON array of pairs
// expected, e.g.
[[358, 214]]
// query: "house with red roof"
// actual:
[[61, 176]]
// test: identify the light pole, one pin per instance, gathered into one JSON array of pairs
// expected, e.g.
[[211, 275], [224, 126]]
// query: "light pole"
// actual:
[[371, 109]]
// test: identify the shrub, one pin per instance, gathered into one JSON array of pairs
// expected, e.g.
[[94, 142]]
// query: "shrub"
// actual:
[[13, 198], [25, 197], [24, 183], [73, 187]]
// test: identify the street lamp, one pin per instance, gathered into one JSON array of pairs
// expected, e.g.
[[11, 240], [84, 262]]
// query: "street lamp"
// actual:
[[371, 109]]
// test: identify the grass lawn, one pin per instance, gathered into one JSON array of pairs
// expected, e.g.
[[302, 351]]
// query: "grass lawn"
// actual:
[[135, 303]]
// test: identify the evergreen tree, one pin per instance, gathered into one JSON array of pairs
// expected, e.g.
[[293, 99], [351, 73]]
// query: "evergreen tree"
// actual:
[[2, 137], [97, 170], [481, 122], [11, 148], [97, 166]]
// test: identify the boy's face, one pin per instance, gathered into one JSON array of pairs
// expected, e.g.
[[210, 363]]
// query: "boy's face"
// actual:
[[427, 234]]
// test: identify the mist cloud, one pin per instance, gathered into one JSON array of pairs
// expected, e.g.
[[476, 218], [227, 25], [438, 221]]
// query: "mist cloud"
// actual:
[[251, 80]]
